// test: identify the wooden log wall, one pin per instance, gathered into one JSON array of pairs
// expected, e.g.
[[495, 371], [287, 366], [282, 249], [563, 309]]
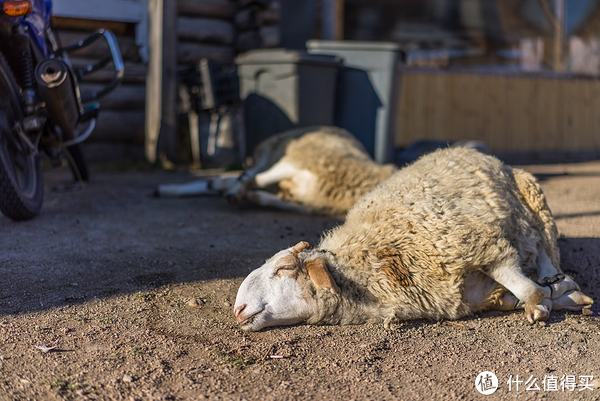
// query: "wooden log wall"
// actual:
[[213, 29], [119, 131], [508, 113], [205, 30]]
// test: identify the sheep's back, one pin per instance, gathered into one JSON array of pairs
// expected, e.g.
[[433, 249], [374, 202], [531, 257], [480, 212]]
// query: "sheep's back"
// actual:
[[450, 212]]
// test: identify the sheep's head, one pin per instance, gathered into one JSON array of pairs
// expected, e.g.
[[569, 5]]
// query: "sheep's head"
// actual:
[[280, 291]]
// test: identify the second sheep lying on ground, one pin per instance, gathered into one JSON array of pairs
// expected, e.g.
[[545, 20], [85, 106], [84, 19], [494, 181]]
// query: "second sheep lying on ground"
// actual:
[[453, 234], [321, 170]]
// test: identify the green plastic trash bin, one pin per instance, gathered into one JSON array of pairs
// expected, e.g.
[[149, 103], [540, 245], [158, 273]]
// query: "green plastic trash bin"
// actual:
[[283, 89], [368, 91]]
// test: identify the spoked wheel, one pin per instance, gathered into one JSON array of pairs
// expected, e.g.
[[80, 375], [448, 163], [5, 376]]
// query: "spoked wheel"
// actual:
[[21, 189]]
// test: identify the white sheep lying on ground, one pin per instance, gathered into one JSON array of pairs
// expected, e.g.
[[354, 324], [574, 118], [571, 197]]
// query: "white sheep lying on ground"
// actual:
[[453, 234], [321, 170]]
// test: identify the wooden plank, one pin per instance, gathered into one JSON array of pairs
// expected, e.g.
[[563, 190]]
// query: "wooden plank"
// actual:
[[103, 151], [105, 10], [79, 24], [530, 119], [589, 134], [439, 94], [419, 106], [125, 97], [154, 80], [191, 53], [471, 108], [207, 8], [429, 106], [119, 125], [168, 145], [543, 116], [565, 111], [404, 128], [587, 120], [512, 106], [556, 114], [205, 30], [508, 113], [494, 112], [453, 117], [594, 106], [579, 105]]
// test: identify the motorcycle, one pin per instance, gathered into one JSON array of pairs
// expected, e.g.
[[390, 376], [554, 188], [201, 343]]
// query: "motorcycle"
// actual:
[[41, 109]]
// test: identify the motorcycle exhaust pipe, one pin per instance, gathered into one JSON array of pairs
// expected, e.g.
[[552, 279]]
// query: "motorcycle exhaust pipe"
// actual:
[[57, 89]]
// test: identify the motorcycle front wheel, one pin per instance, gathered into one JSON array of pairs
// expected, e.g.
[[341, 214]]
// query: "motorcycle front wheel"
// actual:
[[21, 187]]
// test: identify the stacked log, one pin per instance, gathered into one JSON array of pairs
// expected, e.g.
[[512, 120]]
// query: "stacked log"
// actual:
[[205, 30], [119, 131], [257, 23], [212, 29]]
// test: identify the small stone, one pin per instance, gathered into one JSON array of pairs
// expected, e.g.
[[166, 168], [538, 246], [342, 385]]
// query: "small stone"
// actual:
[[194, 303], [127, 378], [226, 304], [541, 323]]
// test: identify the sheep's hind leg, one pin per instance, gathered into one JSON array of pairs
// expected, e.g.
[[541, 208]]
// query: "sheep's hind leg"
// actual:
[[536, 299], [264, 198], [564, 294]]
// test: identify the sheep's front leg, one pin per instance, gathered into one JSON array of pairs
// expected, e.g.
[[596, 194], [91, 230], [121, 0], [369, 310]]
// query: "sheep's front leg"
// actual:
[[215, 186], [536, 299], [260, 179]]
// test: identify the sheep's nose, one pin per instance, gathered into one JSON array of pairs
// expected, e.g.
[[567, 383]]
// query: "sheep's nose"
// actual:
[[239, 310]]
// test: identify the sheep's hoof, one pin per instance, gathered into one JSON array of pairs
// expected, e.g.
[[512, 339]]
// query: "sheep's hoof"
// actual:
[[538, 312], [564, 286], [387, 323], [572, 301], [233, 199]]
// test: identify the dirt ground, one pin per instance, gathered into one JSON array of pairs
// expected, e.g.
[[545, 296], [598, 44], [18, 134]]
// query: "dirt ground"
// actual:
[[136, 294]]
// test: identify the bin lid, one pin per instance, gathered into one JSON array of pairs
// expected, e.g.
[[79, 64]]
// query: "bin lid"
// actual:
[[353, 45], [283, 56]]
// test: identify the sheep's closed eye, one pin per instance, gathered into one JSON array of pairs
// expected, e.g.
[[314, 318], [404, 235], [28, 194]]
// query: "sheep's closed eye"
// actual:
[[286, 265], [285, 271]]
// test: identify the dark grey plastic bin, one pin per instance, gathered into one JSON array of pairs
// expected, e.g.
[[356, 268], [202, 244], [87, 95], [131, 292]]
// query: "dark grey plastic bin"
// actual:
[[368, 91], [282, 89]]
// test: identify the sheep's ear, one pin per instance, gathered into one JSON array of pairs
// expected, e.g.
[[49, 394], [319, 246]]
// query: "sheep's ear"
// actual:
[[319, 274]]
